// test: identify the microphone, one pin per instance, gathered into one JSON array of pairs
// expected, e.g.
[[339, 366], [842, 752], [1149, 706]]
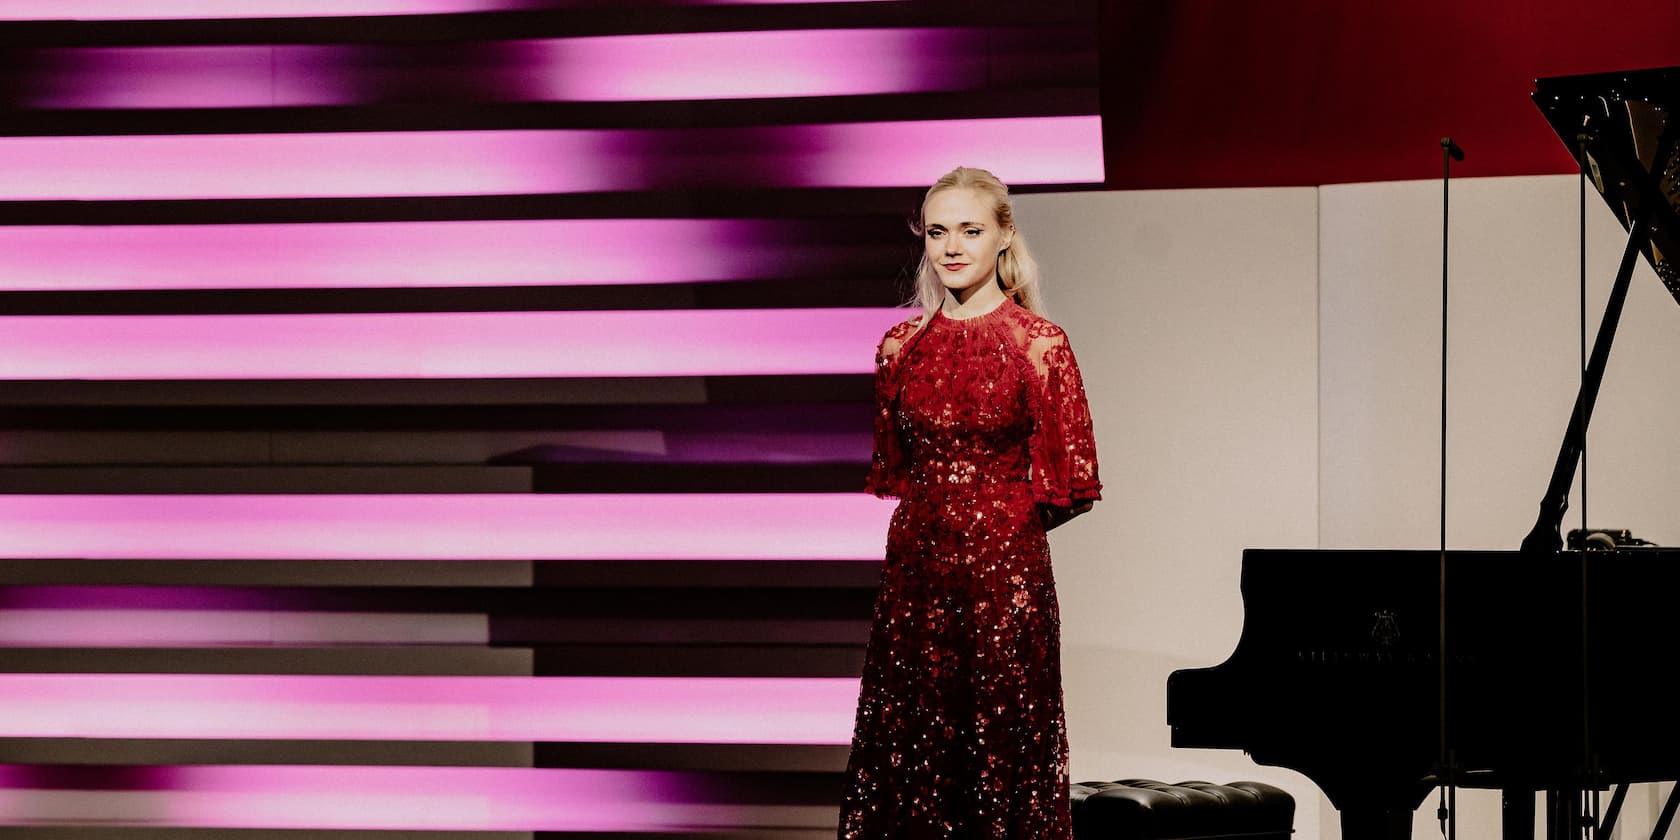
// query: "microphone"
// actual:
[[1452, 149]]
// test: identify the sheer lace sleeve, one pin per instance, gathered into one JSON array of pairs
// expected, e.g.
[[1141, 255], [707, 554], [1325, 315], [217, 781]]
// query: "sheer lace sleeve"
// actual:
[[889, 469], [1063, 450]]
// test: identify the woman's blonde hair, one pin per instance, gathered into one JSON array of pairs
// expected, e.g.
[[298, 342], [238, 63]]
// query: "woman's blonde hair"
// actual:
[[1017, 271]]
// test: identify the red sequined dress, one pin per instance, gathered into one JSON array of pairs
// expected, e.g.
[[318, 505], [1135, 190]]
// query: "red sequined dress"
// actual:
[[960, 731]]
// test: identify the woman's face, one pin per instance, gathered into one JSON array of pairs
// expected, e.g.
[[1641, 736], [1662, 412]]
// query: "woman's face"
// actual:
[[962, 238]]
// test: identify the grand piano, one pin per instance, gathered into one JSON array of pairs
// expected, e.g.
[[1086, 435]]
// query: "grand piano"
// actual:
[[1383, 674]]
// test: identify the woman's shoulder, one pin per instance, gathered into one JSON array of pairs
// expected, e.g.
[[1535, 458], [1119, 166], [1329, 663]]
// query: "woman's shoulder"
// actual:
[[897, 333], [897, 336], [1034, 327]]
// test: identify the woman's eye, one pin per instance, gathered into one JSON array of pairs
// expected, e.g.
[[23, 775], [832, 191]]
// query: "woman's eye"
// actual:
[[973, 231], [935, 234]]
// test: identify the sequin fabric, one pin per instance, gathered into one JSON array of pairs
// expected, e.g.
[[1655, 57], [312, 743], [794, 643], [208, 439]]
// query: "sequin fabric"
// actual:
[[960, 731]]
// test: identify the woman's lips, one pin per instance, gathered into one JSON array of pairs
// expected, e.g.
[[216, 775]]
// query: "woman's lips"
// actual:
[[954, 266]]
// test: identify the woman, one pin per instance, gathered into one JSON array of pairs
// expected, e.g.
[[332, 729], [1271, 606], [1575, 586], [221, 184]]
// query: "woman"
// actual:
[[983, 434]]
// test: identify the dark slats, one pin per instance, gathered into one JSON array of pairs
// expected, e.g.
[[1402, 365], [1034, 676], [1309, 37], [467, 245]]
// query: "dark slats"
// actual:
[[778, 438], [68, 394], [128, 751], [1052, 99], [461, 575], [830, 289], [604, 658], [647, 595], [760, 574], [750, 757], [385, 660], [190, 480], [699, 660], [850, 629], [42, 397], [699, 757], [815, 203], [847, 413], [845, 477]]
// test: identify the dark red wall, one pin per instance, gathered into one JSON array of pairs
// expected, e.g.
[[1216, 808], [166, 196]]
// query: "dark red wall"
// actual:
[[1222, 93]]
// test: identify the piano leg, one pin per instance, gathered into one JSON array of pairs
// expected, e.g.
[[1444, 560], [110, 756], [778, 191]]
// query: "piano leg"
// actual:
[[1563, 815], [1516, 814], [1376, 823]]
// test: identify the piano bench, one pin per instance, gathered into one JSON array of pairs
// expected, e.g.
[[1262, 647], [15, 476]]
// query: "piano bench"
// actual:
[[1143, 809]]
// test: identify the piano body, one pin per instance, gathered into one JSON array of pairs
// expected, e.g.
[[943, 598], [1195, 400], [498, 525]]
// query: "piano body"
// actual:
[[1548, 654], [1338, 677]]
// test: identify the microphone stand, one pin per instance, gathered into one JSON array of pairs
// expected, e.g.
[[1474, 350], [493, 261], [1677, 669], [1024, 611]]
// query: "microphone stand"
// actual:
[[1589, 820], [1447, 810]]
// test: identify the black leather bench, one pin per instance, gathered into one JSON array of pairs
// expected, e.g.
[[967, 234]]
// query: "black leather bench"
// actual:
[[1144, 809]]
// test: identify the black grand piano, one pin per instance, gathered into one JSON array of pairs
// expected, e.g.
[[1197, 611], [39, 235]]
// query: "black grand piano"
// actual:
[[1546, 654]]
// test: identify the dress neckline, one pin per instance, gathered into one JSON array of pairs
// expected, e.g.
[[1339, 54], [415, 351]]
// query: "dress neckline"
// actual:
[[989, 316]]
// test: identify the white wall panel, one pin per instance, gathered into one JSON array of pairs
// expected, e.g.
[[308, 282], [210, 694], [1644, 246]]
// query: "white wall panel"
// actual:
[[1193, 315], [1263, 366], [1513, 371]]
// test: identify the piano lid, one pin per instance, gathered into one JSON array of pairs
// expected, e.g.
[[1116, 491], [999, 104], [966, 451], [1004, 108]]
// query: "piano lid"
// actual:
[[1631, 124]]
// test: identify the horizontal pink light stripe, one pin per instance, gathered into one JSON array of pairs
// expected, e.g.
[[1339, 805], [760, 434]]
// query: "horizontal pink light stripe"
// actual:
[[686, 710], [219, 9], [751, 65], [1022, 150], [377, 797], [675, 66], [444, 345], [402, 254], [744, 526], [162, 77], [223, 9]]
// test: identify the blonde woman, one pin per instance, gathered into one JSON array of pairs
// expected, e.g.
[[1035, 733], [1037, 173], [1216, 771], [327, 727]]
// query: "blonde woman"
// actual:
[[983, 434]]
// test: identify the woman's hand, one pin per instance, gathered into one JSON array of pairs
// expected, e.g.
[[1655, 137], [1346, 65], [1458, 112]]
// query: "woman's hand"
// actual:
[[1054, 515]]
